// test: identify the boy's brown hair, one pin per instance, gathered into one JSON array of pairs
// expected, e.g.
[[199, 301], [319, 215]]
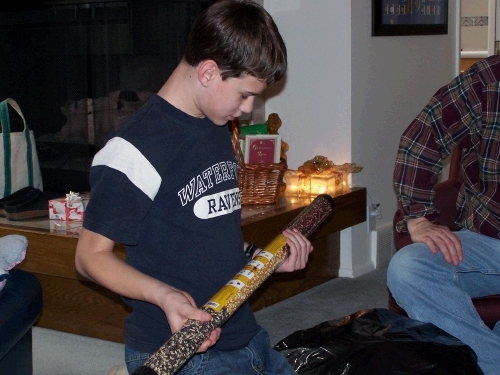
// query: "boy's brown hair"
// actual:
[[241, 37]]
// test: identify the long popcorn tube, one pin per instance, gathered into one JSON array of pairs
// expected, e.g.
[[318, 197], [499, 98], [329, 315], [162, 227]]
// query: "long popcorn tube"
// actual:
[[185, 342]]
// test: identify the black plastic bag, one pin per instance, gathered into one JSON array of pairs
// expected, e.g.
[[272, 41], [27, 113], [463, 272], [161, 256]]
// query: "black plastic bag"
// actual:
[[377, 341]]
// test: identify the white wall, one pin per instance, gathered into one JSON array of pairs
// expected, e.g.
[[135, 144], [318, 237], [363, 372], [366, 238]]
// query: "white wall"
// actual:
[[315, 102], [349, 96]]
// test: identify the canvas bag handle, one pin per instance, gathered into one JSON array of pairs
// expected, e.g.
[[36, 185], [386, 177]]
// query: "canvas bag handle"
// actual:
[[5, 120]]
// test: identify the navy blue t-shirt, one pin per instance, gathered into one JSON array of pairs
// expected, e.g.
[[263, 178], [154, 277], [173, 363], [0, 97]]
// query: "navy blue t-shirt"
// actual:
[[165, 185]]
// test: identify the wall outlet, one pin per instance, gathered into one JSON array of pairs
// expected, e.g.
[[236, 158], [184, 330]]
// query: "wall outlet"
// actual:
[[371, 218]]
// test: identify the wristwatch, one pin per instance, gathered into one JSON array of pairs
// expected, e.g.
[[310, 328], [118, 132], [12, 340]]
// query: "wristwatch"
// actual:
[[250, 250]]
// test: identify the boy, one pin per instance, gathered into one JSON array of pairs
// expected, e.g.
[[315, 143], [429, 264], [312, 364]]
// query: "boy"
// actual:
[[165, 186]]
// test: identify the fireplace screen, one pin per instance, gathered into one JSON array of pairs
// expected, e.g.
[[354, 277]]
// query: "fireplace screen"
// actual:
[[78, 69]]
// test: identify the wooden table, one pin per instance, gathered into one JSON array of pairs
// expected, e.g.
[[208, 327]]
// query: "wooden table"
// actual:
[[76, 305]]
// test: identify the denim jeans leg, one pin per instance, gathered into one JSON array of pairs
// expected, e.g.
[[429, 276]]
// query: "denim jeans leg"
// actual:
[[432, 290], [134, 359], [496, 329], [258, 357], [274, 363]]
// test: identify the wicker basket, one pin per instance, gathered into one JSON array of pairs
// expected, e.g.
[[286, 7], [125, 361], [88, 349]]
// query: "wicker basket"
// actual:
[[258, 183]]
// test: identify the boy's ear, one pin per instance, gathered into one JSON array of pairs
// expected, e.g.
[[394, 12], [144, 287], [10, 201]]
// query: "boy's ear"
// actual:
[[207, 72]]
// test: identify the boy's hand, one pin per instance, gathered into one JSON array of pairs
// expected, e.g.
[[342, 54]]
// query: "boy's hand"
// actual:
[[300, 248], [179, 306], [94, 258]]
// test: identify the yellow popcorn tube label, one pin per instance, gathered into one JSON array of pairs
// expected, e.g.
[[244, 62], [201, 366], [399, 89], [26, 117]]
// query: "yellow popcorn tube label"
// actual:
[[252, 270]]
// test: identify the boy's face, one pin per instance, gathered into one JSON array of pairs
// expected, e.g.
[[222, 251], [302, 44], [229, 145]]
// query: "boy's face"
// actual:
[[231, 98]]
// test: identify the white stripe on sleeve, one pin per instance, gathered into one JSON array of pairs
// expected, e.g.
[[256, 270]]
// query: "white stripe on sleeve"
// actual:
[[121, 155]]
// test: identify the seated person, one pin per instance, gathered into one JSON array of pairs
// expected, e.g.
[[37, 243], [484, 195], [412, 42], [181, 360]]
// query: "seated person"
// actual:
[[434, 278]]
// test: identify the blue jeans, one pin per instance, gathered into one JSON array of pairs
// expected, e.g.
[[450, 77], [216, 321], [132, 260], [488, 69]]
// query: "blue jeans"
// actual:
[[257, 358], [431, 290]]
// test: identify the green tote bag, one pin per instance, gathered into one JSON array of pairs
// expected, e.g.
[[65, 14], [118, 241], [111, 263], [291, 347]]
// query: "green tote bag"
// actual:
[[18, 155]]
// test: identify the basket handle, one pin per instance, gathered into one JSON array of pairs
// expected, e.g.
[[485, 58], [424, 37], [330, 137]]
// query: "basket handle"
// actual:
[[235, 139]]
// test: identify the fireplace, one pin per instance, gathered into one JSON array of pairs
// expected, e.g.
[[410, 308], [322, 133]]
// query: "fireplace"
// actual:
[[79, 68]]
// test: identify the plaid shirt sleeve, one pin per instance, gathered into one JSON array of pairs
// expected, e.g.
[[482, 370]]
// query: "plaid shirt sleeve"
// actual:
[[464, 113]]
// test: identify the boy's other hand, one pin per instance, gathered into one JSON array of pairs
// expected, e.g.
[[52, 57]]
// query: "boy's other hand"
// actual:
[[300, 248], [179, 306]]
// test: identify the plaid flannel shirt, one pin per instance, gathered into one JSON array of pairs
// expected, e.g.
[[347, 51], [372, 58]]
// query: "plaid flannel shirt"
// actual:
[[464, 113]]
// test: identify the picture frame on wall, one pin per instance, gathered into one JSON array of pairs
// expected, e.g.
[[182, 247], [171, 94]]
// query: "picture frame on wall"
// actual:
[[409, 17], [262, 148]]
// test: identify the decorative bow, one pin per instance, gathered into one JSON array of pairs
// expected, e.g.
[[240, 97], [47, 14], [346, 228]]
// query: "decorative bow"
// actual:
[[320, 165], [317, 165], [73, 196]]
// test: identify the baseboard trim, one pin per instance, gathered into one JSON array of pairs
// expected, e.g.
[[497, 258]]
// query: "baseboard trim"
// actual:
[[358, 271]]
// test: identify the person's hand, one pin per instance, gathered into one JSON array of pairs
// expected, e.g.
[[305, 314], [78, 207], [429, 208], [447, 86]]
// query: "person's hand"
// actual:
[[94, 258], [179, 306], [437, 238], [300, 248]]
